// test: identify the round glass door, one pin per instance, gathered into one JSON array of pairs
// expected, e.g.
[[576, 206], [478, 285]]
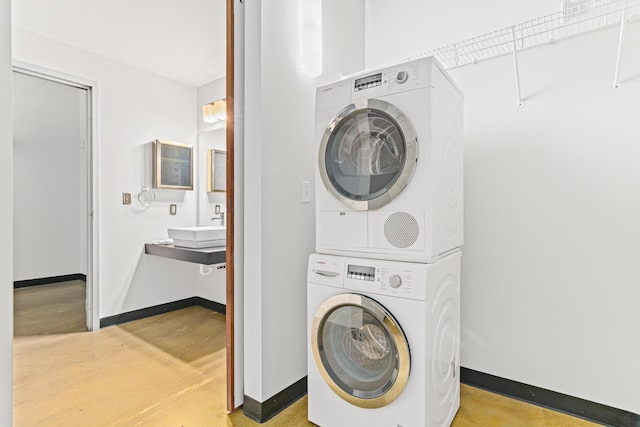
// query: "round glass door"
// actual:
[[360, 350], [368, 154]]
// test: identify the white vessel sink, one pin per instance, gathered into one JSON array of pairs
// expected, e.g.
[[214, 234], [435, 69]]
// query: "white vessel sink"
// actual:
[[198, 237]]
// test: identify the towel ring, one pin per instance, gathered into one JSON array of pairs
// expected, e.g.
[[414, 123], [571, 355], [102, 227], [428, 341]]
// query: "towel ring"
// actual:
[[146, 196]]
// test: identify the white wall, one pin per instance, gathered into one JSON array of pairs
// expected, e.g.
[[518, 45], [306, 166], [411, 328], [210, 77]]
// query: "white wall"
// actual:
[[279, 155], [50, 154], [253, 306], [211, 283], [135, 107], [6, 218], [552, 217], [552, 223], [398, 29]]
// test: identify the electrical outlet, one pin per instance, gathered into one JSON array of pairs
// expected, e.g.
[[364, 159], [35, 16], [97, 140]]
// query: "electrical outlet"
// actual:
[[173, 209], [126, 198], [306, 192]]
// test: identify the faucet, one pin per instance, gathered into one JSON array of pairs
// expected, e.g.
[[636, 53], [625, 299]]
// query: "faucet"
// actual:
[[221, 218]]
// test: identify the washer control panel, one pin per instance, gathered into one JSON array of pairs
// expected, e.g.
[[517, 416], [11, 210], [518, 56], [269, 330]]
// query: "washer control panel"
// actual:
[[382, 277], [386, 278]]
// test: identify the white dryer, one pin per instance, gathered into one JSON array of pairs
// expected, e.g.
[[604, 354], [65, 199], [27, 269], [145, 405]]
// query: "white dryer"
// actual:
[[384, 342], [389, 170]]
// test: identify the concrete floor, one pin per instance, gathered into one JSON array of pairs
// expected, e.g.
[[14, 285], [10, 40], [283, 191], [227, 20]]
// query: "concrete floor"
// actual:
[[169, 370], [49, 309]]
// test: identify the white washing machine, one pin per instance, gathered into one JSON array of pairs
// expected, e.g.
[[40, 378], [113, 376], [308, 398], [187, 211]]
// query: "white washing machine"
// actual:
[[389, 174], [384, 342]]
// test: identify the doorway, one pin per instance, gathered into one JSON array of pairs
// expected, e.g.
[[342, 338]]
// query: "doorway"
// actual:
[[52, 203], [234, 323]]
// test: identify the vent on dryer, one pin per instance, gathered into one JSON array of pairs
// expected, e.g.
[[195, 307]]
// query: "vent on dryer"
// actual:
[[401, 229]]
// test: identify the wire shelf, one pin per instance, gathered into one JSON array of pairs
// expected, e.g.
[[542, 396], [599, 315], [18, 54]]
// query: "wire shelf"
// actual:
[[577, 17]]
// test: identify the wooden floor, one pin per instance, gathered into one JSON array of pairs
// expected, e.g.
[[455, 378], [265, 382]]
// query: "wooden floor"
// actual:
[[169, 370]]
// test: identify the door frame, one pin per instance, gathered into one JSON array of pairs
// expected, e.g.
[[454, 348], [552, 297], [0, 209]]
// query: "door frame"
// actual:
[[230, 141], [92, 298]]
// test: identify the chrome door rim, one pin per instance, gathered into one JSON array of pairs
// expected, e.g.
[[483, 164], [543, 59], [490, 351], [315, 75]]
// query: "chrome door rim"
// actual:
[[411, 160], [392, 326]]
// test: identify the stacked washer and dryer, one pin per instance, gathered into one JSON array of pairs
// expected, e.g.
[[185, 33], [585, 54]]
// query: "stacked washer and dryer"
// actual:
[[384, 285]]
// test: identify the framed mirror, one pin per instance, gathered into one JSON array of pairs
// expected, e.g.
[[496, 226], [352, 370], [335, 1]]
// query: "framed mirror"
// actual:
[[172, 165], [216, 171]]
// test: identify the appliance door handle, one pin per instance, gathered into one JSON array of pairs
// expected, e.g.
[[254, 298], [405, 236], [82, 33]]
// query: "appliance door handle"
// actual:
[[326, 273]]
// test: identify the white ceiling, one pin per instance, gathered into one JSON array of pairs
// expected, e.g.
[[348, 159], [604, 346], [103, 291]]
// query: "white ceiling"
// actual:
[[183, 40]]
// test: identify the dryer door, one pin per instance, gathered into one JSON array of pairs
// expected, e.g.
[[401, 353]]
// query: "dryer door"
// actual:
[[360, 350], [368, 154]]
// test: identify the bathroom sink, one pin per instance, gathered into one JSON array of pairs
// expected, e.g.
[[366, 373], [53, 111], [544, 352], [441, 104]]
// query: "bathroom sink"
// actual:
[[198, 237]]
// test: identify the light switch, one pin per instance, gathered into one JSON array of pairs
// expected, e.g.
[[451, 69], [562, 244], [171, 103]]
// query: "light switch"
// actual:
[[173, 209], [126, 198], [306, 192]]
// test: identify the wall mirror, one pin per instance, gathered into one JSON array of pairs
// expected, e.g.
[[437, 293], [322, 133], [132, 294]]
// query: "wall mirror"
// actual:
[[216, 171], [172, 165], [212, 175]]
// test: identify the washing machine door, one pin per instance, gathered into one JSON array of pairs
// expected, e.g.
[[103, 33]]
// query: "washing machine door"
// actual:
[[368, 154], [360, 350]]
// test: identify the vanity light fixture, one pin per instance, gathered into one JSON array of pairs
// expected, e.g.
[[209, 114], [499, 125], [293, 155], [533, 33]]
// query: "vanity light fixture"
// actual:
[[215, 111]]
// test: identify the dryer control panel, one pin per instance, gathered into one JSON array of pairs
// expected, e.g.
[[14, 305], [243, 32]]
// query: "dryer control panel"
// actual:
[[398, 78]]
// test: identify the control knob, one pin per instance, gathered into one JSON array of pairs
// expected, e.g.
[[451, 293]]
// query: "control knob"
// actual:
[[395, 281], [402, 77]]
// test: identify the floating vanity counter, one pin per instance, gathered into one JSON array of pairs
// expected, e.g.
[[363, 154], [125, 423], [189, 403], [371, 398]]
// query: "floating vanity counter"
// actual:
[[206, 256], [203, 245]]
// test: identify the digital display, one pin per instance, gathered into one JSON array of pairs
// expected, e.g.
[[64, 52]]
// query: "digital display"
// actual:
[[367, 82], [361, 272]]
